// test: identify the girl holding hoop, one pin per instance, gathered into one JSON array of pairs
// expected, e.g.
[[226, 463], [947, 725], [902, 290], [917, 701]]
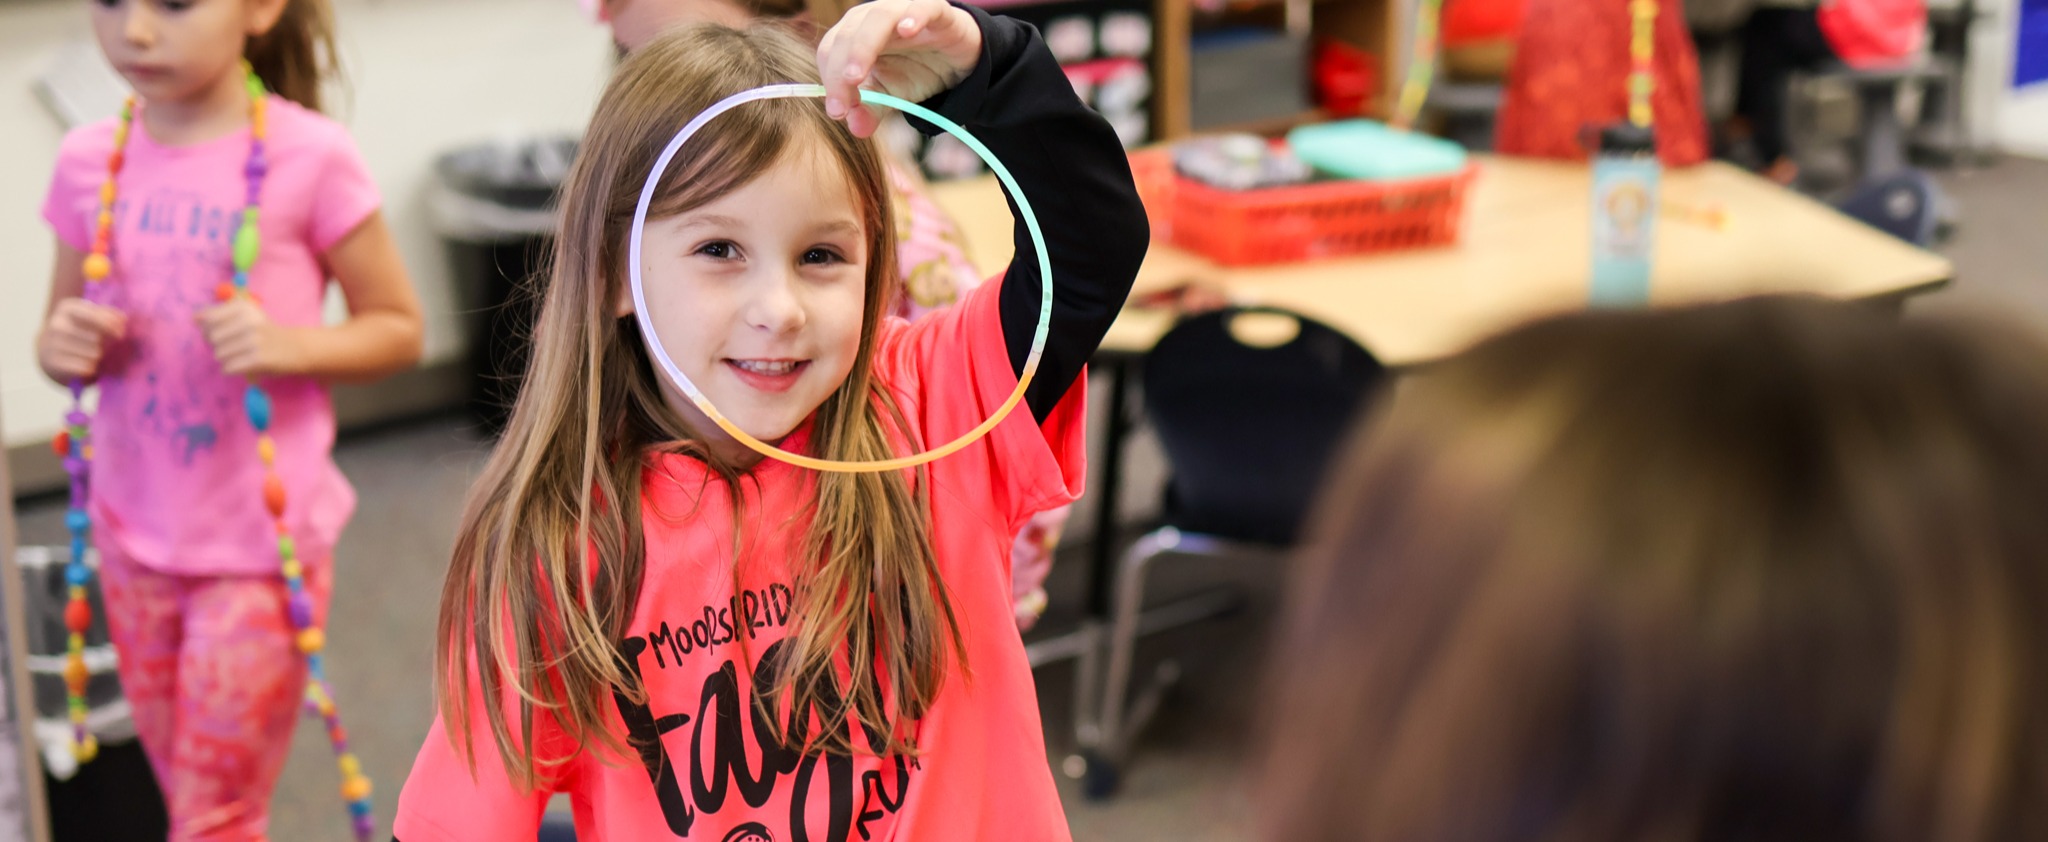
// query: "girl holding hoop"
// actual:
[[692, 640]]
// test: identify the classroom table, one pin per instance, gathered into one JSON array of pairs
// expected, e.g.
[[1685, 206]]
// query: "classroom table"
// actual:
[[1522, 254]]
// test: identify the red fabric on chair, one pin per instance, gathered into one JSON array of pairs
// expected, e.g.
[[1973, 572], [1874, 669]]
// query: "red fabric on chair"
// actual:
[[1571, 74]]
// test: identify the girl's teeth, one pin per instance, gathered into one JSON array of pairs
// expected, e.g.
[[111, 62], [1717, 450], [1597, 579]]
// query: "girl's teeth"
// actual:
[[768, 368]]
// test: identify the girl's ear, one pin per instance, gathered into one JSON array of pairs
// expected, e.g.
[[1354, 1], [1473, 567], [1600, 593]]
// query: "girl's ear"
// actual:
[[262, 15], [623, 305]]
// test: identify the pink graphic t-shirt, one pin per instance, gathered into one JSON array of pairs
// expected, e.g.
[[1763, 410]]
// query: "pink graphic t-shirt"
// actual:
[[176, 483], [707, 769]]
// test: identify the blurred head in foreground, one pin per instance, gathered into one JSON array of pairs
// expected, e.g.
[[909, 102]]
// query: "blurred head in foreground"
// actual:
[[1767, 571]]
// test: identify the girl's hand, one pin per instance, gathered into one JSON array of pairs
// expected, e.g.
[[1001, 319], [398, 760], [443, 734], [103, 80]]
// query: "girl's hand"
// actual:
[[246, 342], [912, 49], [75, 338]]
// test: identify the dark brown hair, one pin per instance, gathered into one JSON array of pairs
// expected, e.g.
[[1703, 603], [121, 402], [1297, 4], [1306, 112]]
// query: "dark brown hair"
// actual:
[[298, 53], [1767, 571]]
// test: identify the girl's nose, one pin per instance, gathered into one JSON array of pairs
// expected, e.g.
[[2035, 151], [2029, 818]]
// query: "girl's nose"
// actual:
[[777, 306], [138, 24]]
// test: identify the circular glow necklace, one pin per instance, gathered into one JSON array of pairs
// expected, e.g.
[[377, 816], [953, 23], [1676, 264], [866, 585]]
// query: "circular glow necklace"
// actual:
[[682, 381]]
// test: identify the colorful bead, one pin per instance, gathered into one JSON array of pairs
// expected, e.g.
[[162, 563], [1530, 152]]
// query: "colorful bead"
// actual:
[[246, 244], [76, 676], [311, 641], [78, 575], [87, 749], [273, 496], [293, 571], [355, 789], [258, 406], [350, 767], [78, 616], [61, 443], [301, 610], [287, 549], [77, 520], [266, 449], [97, 268]]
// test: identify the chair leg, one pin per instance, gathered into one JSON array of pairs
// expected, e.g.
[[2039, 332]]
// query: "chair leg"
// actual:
[[1088, 686], [1884, 142], [1123, 630], [1107, 724]]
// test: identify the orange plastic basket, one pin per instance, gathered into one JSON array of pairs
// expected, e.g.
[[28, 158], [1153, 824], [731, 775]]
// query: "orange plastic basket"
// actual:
[[1153, 171], [1303, 222]]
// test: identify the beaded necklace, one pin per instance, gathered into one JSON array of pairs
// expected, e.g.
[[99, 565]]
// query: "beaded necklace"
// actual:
[[74, 445], [1642, 72]]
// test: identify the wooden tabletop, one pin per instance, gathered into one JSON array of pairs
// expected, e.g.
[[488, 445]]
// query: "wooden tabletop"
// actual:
[[1523, 254]]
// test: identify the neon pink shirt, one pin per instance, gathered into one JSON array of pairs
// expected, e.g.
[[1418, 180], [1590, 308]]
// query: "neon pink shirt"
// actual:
[[176, 484], [711, 772]]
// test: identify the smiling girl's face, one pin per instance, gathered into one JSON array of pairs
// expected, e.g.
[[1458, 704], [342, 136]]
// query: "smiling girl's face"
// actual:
[[758, 296]]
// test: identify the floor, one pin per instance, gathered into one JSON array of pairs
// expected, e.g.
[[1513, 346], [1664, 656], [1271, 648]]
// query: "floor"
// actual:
[[1187, 781]]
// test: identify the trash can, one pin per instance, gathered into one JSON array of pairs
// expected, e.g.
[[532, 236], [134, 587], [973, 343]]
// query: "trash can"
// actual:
[[493, 206], [78, 796]]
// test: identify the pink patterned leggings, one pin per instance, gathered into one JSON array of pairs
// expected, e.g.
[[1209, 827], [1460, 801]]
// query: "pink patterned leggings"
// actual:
[[210, 670]]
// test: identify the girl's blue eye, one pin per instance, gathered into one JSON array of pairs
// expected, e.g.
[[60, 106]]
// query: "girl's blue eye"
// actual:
[[720, 250]]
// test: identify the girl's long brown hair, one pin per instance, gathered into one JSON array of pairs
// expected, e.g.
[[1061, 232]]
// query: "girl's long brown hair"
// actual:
[[548, 564], [297, 55], [1768, 571]]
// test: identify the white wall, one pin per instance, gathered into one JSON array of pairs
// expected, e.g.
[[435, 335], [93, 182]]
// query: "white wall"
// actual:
[[423, 75], [2015, 120]]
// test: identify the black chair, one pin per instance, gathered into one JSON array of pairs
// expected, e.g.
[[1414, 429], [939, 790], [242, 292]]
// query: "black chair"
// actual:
[[1905, 204], [1468, 110], [1248, 426], [1878, 89], [557, 827]]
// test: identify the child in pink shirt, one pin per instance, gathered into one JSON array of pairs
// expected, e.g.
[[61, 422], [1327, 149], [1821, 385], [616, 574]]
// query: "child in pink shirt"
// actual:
[[189, 553], [691, 641], [931, 256]]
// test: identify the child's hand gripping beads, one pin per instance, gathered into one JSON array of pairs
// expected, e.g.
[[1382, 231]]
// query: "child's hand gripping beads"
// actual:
[[75, 339]]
